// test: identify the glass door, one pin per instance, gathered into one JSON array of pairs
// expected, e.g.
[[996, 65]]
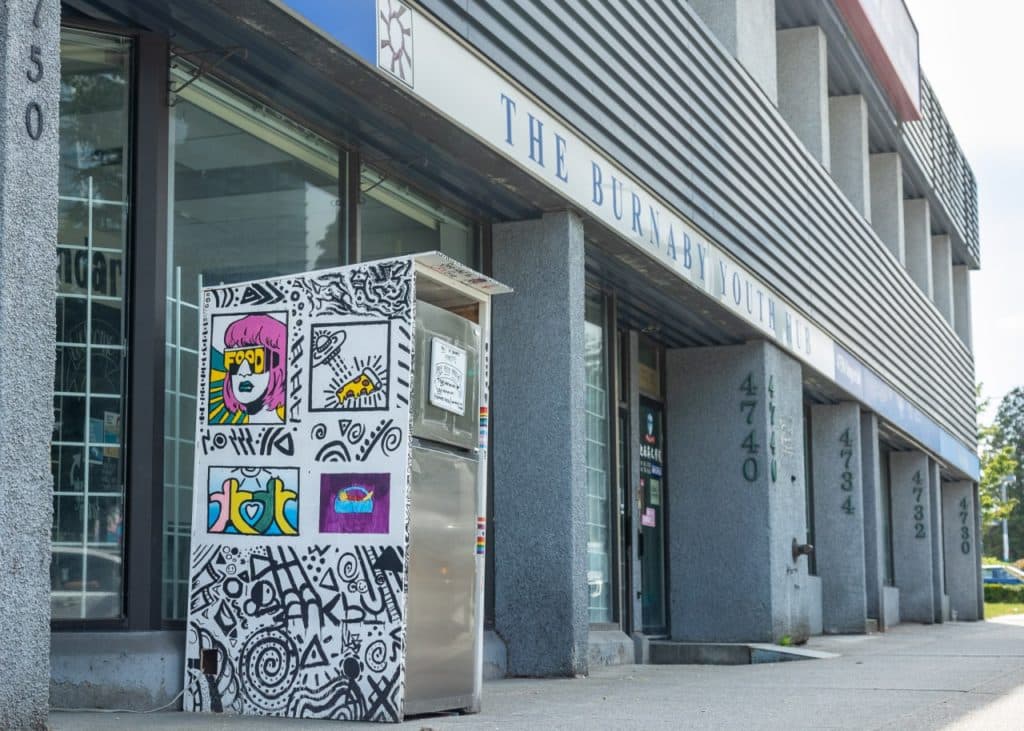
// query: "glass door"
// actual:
[[651, 510]]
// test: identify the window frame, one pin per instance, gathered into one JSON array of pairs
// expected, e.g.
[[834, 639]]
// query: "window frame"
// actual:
[[359, 169], [213, 95], [612, 397], [133, 604]]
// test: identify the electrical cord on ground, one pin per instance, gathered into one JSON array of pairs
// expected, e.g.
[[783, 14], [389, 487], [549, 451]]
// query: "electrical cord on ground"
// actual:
[[173, 700]]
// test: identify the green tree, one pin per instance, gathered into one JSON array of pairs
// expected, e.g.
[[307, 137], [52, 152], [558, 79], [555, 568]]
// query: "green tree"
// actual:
[[1010, 429], [1001, 451]]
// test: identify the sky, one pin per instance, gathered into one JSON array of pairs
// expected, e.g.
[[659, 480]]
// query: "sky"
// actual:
[[973, 54]]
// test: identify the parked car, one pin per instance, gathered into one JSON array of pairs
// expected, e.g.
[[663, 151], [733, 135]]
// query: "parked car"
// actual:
[[999, 574], [85, 582]]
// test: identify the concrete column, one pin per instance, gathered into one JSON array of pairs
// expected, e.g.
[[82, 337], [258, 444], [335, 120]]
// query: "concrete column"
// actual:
[[849, 151], [887, 202], [874, 535], [962, 304], [839, 516], [29, 95], [961, 554], [917, 237], [803, 87], [747, 30], [911, 539], [540, 509], [940, 599], [736, 463], [942, 276]]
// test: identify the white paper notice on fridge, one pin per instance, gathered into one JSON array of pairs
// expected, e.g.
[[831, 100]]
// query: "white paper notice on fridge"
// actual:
[[447, 376]]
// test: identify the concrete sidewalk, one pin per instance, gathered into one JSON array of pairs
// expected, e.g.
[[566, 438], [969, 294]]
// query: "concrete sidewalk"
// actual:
[[958, 676]]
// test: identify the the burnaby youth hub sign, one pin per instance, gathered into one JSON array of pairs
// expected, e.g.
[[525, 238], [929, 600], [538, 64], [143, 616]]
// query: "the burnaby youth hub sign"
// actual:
[[418, 53]]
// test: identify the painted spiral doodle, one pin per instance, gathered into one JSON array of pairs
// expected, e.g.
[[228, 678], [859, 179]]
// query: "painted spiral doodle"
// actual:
[[356, 432], [269, 668], [319, 431], [391, 440], [377, 656], [348, 567]]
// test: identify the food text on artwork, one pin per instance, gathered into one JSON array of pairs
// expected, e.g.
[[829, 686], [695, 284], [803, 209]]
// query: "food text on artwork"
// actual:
[[248, 369]]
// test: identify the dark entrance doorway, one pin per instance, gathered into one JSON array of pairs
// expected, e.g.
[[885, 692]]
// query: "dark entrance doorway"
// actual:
[[650, 502]]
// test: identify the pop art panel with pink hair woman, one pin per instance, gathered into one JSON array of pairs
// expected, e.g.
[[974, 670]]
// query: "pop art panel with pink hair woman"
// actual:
[[247, 369]]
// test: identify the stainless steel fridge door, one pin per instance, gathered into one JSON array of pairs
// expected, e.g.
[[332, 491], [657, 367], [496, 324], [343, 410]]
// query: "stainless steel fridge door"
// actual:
[[441, 604], [456, 421]]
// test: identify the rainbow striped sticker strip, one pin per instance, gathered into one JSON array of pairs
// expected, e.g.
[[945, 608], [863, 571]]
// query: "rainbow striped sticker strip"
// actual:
[[481, 536], [483, 427]]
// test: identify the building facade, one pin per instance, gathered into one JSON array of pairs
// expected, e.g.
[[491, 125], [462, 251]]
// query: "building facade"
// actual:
[[732, 393]]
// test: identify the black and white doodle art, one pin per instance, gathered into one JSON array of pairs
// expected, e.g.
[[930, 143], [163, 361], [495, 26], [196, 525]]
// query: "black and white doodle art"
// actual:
[[287, 618], [280, 631], [383, 289]]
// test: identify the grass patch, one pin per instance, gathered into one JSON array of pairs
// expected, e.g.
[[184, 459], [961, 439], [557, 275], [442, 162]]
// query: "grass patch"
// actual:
[[998, 609]]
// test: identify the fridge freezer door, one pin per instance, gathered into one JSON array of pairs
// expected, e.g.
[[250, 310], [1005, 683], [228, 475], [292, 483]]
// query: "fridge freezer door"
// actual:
[[446, 388], [441, 604]]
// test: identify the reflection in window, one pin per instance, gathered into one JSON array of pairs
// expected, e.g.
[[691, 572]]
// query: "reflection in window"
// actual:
[[395, 221], [253, 196], [87, 448], [598, 456]]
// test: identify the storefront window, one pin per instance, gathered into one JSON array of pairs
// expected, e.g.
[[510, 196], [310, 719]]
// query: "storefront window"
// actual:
[[252, 196], [393, 220], [89, 399], [598, 456]]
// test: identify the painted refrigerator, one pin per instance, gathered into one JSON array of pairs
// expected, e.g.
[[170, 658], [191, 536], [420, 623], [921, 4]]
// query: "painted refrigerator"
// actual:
[[300, 591]]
